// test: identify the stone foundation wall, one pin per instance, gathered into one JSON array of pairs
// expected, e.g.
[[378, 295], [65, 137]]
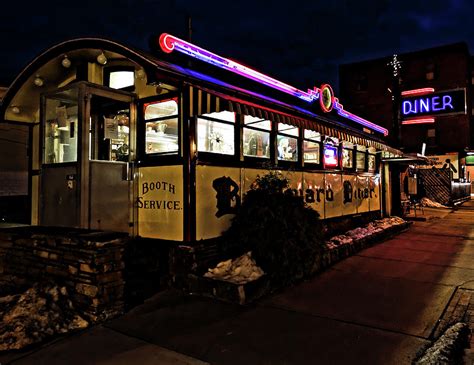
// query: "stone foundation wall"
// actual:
[[89, 263]]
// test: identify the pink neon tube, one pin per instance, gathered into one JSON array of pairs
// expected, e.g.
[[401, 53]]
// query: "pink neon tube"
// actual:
[[169, 43]]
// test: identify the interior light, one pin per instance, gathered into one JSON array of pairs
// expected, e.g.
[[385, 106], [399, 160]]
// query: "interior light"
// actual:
[[15, 109]]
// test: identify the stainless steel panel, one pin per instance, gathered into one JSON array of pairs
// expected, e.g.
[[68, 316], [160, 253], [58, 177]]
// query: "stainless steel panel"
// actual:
[[109, 196], [59, 196]]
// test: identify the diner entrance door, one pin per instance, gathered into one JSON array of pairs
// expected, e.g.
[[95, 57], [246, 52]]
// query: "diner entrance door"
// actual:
[[89, 150]]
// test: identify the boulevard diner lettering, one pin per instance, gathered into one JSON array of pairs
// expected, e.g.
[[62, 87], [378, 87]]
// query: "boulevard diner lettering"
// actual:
[[432, 104]]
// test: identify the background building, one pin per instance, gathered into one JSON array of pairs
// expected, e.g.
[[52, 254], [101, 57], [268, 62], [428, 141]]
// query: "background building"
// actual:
[[428, 101], [368, 88]]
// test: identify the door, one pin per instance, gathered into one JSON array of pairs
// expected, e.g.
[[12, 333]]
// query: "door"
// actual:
[[111, 144], [87, 160]]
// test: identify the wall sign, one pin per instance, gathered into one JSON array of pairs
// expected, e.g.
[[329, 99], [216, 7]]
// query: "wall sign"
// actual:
[[446, 102]]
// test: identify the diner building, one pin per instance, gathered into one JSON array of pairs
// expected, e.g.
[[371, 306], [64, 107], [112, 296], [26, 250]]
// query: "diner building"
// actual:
[[164, 145]]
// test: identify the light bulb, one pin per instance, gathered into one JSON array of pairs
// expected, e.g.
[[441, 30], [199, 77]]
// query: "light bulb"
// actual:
[[38, 81], [141, 74], [101, 59], [66, 62]]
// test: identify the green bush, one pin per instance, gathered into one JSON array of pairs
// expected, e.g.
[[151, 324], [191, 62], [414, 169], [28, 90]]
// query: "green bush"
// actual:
[[284, 234]]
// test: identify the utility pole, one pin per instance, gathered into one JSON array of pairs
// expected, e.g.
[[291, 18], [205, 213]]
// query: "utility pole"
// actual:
[[189, 27]]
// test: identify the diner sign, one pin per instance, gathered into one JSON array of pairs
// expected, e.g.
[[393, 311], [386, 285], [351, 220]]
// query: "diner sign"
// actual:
[[445, 102]]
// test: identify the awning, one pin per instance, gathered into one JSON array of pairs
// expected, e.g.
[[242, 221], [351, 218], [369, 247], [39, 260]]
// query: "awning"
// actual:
[[409, 159], [204, 101]]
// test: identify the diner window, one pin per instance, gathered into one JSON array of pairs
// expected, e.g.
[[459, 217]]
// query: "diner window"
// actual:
[[161, 125], [256, 137], [215, 133], [371, 160], [347, 155], [61, 128], [312, 147], [287, 142], [361, 158]]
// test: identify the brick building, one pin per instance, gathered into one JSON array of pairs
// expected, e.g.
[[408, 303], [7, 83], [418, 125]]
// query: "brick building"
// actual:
[[428, 101], [367, 87]]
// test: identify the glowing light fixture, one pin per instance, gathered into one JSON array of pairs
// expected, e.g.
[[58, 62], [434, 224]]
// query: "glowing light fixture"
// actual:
[[15, 109], [101, 59], [169, 43], [38, 81], [66, 62], [330, 156], [423, 91], [419, 121]]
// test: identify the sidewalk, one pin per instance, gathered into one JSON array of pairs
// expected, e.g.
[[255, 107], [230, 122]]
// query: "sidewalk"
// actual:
[[377, 307]]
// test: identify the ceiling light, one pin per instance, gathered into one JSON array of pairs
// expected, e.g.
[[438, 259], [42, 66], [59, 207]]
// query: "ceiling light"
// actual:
[[15, 109], [66, 62], [101, 59], [141, 74], [38, 81]]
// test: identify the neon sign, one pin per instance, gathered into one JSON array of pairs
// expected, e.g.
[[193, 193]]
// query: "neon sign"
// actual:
[[330, 156], [423, 91], [447, 102], [325, 95]]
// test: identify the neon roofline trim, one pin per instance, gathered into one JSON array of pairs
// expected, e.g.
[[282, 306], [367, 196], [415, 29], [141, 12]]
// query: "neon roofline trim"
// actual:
[[169, 43], [425, 90], [419, 121]]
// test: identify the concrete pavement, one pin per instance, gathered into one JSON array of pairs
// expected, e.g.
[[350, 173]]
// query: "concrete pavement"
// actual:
[[377, 307]]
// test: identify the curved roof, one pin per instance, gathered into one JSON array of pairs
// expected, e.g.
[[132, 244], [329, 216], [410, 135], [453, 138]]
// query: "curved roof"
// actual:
[[88, 48]]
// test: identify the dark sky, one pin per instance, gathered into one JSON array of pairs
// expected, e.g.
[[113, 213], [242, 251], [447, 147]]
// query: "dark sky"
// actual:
[[298, 42]]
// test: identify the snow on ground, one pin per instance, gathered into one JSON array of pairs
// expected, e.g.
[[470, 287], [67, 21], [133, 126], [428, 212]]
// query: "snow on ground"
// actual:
[[39, 312], [360, 232], [238, 271], [431, 204]]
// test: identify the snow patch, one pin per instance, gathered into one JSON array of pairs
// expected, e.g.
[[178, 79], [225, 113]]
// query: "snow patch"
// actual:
[[238, 271]]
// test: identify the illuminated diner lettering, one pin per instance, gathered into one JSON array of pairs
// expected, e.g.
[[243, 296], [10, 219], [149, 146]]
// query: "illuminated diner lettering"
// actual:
[[427, 104], [445, 102]]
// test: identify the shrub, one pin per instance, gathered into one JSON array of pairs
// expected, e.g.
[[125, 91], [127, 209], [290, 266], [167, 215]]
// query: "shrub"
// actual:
[[284, 234]]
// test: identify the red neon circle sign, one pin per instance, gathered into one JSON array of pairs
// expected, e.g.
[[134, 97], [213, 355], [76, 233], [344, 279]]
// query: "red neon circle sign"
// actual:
[[326, 98]]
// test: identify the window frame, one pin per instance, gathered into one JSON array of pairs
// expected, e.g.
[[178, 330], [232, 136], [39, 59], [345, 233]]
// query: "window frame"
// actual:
[[254, 160], [287, 163], [204, 157], [312, 165], [164, 158]]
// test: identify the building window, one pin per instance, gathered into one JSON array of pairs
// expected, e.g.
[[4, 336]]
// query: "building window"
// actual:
[[312, 147], [287, 142], [361, 82], [430, 71], [215, 133], [256, 137], [161, 125]]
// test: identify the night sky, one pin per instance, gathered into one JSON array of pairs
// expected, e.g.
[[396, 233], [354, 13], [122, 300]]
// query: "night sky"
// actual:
[[298, 42]]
